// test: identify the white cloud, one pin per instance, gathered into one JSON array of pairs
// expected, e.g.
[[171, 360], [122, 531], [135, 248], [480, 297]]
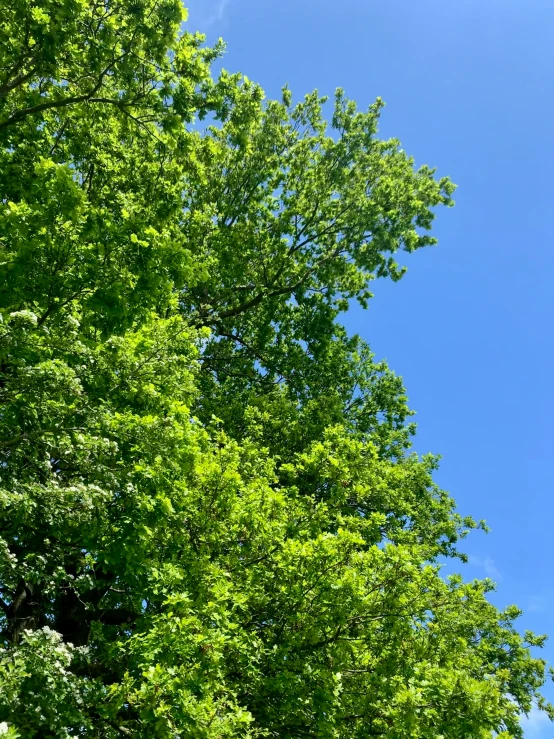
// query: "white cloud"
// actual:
[[537, 603], [534, 724], [487, 564], [541, 601], [205, 13]]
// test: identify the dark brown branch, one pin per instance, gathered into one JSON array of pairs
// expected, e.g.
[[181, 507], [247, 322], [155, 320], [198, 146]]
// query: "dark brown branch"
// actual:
[[21, 114], [19, 80], [64, 102]]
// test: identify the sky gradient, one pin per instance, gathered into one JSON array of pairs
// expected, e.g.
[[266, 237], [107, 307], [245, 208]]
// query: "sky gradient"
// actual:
[[469, 89]]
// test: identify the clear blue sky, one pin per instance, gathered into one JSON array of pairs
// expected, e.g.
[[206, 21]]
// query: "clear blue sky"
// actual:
[[469, 87]]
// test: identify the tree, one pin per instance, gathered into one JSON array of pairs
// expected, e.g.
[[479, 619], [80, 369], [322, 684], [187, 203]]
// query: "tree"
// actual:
[[212, 525]]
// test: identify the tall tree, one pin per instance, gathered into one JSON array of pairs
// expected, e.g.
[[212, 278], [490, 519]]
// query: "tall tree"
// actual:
[[211, 523]]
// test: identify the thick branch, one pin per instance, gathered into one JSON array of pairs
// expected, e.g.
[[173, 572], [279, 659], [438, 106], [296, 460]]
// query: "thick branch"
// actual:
[[64, 102]]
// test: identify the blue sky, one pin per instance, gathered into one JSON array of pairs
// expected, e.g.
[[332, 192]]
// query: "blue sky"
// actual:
[[469, 88]]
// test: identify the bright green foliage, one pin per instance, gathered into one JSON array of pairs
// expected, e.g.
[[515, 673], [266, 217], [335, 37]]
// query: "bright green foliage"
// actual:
[[211, 525]]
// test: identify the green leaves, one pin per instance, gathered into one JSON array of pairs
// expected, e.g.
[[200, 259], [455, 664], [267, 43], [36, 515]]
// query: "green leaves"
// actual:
[[211, 525], [38, 670]]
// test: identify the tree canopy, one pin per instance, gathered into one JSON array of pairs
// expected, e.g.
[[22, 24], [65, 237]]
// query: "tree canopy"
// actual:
[[211, 521]]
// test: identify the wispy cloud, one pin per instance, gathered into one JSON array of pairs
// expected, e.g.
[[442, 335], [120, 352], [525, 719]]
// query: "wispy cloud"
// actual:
[[541, 601], [535, 724], [486, 564], [537, 603], [218, 12], [205, 13]]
